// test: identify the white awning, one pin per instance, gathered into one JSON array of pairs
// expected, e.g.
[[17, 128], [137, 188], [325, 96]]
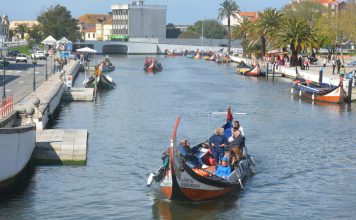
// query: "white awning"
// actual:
[[86, 50], [49, 41]]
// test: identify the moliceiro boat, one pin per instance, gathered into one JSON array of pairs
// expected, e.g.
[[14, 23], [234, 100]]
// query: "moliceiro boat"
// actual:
[[180, 180], [102, 81], [318, 91], [18, 140]]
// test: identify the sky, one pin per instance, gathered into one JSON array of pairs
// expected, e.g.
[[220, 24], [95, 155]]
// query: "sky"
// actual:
[[178, 11]]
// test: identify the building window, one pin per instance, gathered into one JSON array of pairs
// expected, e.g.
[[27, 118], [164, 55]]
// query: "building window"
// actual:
[[93, 35]]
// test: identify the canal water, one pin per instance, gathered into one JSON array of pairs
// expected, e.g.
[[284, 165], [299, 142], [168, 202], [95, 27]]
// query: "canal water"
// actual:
[[305, 152]]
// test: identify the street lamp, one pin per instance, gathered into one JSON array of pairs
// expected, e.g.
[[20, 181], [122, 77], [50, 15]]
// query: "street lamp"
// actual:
[[46, 66], [3, 66], [34, 62]]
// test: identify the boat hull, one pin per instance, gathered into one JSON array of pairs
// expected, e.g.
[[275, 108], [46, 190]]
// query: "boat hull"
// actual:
[[318, 91], [103, 82], [16, 149]]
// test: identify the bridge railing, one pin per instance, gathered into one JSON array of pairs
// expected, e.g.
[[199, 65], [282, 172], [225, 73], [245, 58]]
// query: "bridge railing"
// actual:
[[6, 106]]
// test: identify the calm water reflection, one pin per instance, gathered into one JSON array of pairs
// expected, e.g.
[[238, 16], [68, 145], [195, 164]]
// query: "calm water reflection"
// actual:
[[306, 160]]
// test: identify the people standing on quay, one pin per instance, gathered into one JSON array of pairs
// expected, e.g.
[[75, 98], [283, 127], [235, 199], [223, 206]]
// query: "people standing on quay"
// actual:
[[333, 61], [338, 64], [324, 62]]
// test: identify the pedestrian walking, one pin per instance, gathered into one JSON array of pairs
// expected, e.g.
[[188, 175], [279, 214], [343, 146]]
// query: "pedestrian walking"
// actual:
[[324, 62], [338, 64], [333, 61]]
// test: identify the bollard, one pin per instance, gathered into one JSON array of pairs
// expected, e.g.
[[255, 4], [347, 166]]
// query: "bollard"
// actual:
[[321, 75], [267, 71], [350, 91], [274, 67]]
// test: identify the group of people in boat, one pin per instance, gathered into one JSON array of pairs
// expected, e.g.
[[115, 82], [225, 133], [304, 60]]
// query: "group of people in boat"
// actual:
[[152, 65], [225, 153]]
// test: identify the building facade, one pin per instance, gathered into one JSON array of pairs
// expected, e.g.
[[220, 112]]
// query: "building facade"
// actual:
[[137, 20], [4, 28], [15, 24]]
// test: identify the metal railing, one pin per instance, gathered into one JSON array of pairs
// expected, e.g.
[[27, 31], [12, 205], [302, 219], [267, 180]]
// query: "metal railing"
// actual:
[[7, 106]]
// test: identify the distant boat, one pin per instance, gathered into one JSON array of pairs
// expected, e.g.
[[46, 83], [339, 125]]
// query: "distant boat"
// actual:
[[152, 66], [197, 56], [16, 147], [103, 81], [243, 67], [318, 91], [256, 71]]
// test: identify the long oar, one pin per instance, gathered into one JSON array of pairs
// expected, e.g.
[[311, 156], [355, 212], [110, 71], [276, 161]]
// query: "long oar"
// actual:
[[235, 113]]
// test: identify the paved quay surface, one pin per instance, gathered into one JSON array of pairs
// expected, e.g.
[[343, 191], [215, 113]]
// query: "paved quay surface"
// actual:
[[53, 146], [61, 146], [19, 77]]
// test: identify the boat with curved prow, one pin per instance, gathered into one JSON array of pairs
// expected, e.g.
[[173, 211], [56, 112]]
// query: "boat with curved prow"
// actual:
[[179, 180], [323, 92]]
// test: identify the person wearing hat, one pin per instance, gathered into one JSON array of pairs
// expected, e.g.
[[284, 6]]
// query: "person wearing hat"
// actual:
[[224, 169]]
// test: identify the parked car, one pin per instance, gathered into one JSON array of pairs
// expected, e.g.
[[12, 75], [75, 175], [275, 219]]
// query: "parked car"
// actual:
[[21, 58], [351, 63], [14, 53], [39, 55]]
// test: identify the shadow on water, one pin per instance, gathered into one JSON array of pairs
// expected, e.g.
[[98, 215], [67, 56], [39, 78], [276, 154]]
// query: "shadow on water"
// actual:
[[18, 190], [171, 210]]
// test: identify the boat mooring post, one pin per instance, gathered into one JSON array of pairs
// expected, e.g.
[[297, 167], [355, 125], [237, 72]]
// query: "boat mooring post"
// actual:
[[274, 67], [321, 74], [350, 91], [267, 71]]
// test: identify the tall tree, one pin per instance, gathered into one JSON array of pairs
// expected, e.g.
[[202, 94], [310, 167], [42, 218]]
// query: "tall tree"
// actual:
[[296, 33], [212, 29], [58, 22], [311, 11], [242, 31], [21, 29], [229, 9], [267, 24], [35, 34]]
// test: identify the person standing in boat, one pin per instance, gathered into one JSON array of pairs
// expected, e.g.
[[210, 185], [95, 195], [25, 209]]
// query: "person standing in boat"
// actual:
[[188, 153], [238, 127], [218, 142]]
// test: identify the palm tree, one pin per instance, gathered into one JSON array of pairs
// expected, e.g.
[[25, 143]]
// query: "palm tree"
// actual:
[[21, 29], [266, 26], [296, 33], [229, 9], [242, 32]]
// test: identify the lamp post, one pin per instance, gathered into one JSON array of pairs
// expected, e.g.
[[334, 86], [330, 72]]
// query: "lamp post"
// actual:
[[202, 32], [3, 66], [34, 62], [46, 66]]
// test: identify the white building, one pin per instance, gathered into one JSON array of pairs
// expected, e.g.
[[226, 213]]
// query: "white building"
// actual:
[[137, 20]]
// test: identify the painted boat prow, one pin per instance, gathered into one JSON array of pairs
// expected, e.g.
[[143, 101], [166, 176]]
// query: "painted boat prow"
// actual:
[[169, 186]]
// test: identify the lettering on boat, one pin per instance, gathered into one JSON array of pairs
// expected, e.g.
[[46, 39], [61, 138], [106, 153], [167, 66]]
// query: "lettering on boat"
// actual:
[[189, 183]]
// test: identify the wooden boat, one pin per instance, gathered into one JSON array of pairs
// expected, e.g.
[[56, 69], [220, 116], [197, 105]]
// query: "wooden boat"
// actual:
[[106, 66], [243, 67], [212, 58], [179, 180], [172, 54], [318, 91], [153, 67], [256, 71], [103, 81], [197, 56]]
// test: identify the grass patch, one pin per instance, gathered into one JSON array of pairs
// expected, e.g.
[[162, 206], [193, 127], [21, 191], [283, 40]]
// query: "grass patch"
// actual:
[[22, 48]]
